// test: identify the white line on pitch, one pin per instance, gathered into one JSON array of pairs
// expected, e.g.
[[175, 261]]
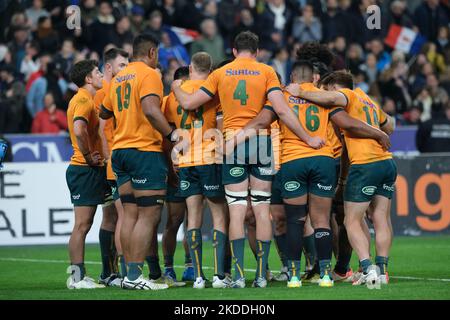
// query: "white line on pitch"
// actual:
[[205, 267]]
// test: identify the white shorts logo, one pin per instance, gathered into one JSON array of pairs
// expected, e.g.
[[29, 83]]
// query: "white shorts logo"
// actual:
[[319, 235], [211, 188], [76, 196], [291, 185], [184, 185], [139, 181], [388, 188], [236, 172], [326, 188], [369, 190], [265, 171]]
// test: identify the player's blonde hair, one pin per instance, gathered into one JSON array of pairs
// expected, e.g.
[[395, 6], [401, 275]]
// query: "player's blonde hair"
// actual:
[[201, 62]]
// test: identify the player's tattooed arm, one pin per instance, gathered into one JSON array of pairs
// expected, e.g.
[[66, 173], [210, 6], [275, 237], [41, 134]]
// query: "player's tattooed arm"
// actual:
[[189, 101], [152, 110], [82, 136], [290, 119], [323, 98]]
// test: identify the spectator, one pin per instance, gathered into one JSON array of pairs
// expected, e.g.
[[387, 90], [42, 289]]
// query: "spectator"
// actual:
[[43, 60], [428, 17], [30, 64], [437, 93], [66, 57], [210, 9], [155, 24], [370, 67], [421, 77], [18, 20], [434, 135], [443, 43], [35, 12], [169, 12], [335, 22], [390, 108], [424, 100], [307, 27], [169, 51], [280, 64], [49, 120], [122, 32], [210, 41], [102, 29], [358, 22], [412, 116], [137, 19], [18, 45], [360, 79], [191, 14], [338, 47], [46, 35], [89, 11], [273, 24], [12, 97], [246, 22], [435, 58], [354, 57], [397, 15], [376, 46]]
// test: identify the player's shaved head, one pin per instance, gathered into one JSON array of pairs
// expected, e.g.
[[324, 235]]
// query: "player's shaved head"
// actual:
[[341, 78], [201, 62], [302, 71], [246, 41], [111, 54], [142, 44]]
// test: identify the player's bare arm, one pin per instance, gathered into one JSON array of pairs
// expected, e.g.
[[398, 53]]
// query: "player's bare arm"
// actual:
[[389, 125], [323, 98], [152, 110], [359, 129], [189, 101], [101, 133], [82, 136], [289, 118]]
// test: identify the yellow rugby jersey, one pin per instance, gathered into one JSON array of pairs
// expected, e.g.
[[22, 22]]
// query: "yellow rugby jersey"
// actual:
[[334, 141], [81, 107], [108, 129], [198, 122], [361, 107], [128, 88], [242, 86], [315, 121]]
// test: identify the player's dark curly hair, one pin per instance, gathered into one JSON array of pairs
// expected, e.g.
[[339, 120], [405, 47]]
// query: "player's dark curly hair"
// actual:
[[315, 52]]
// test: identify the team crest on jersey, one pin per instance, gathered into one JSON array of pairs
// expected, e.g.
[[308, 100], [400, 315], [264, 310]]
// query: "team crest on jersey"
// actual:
[[369, 190], [236, 172], [184, 185], [83, 100], [291, 185]]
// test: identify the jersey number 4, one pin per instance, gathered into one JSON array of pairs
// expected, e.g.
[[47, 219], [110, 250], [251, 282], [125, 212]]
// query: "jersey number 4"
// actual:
[[121, 104], [240, 93]]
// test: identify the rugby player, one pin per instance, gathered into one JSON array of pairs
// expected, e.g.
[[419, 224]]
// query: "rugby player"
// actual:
[[135, 101], [199, 174], [371, 176], [114, 60], [86, 174], [243, 87]]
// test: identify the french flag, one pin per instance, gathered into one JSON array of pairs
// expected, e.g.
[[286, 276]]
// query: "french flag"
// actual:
[[404, 39], [181, 35]]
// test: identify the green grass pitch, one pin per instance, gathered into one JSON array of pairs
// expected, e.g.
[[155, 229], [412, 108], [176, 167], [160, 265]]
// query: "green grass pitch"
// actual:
[[419, 269]]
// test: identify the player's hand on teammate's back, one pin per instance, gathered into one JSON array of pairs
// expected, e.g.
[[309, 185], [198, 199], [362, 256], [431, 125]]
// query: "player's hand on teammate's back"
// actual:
[[294, 89], [316, 142], [176, 83], [93, 159], [384, 140]]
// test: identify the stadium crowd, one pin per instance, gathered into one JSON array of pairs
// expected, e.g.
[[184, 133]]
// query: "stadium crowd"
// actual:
[[37, 49]]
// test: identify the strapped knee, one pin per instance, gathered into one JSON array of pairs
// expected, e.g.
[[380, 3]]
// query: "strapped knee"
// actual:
[[236, 197], [295, 214], [127, 198], [260, 197], [150, 201]]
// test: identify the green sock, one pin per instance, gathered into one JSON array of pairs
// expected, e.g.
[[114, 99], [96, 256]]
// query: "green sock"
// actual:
[[280, 242], [325, 267], [134, 270], [263, 248], [168, 261], [82, 271], [309, 248], [194, 239], [237, 251], [107, 249], [153, 267], [123, 266], [294, 268], [219, 244], [365, 264], [382, 263]]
